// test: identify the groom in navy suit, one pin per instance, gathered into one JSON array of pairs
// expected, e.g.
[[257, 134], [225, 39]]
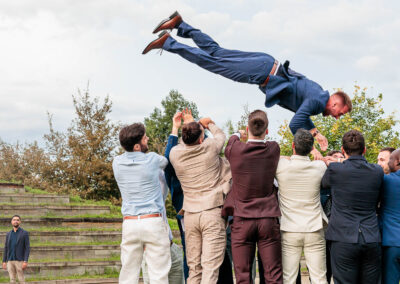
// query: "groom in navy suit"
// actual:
[[281, 85]]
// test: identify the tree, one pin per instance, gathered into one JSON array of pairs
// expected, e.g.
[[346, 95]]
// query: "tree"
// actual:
[[82, 157], [159, 123], [367, 116]]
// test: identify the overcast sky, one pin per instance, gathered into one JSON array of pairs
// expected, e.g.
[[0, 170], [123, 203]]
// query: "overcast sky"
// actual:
[[51, 48]]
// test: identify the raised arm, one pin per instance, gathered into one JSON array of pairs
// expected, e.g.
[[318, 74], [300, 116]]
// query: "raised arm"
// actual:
[[218, 135]]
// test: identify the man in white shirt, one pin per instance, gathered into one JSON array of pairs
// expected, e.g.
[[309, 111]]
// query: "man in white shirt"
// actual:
[[302, 218]]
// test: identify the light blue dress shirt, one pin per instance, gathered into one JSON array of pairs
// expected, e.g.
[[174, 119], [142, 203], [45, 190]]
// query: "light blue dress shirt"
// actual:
[[137, 175]]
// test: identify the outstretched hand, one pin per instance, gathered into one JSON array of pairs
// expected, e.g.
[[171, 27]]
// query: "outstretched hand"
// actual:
[[205, 121], [243, 135], [176, 123], [316, 154], [187, 116], [322, 141]]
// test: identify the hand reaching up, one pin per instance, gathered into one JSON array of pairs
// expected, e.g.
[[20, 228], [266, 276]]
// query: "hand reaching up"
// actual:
[[187, 116], [205, 121]]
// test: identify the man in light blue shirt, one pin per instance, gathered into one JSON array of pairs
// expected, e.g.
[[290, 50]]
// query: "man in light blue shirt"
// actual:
[[137, 175]]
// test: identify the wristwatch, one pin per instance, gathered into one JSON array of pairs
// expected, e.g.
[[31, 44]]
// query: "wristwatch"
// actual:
[[315, 133]]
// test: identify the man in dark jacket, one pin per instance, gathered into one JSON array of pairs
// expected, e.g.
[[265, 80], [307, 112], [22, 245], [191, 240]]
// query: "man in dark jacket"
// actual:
[[281, 85], [353, 228], [16, 251]]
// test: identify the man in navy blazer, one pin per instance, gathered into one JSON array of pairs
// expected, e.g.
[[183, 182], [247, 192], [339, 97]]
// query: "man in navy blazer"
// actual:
[[353, 226], [390, 218], [281, 85], [16, 251]]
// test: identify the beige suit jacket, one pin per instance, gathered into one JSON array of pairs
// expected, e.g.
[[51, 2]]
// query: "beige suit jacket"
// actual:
[[299, 181], [204, 175]]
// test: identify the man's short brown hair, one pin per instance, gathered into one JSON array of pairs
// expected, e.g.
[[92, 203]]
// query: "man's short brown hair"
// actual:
[[131, 135], [333, 152], [191, 133], [353, 143], [389, 149], [258, 122], [346, 99]]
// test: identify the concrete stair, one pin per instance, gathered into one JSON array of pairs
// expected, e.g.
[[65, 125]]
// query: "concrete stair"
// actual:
[[72, 236], [63, 241]]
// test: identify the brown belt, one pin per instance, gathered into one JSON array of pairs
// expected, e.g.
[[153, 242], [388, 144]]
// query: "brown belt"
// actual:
[[270, 73], [143, 216]]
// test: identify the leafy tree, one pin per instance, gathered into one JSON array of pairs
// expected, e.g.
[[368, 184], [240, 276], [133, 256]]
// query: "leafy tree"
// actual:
[[367, 116], [81, 158], [159, 123]]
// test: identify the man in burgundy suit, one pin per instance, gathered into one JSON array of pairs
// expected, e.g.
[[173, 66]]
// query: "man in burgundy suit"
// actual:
[[253, 201]]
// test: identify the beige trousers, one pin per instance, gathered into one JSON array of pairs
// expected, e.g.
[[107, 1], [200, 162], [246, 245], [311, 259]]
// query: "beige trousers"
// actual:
[[313, 245], [205, 239], [152, 234], [15, 269]]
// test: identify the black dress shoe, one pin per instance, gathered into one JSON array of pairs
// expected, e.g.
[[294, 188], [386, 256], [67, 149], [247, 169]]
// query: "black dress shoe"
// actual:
[[168, 24], [157, 43]]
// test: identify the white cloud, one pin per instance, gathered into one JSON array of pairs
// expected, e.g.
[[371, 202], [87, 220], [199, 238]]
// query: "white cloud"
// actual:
[[368, 63]]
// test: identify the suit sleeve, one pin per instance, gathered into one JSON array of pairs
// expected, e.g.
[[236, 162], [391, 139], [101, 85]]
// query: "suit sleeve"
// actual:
[[5, 252], [231, 142], [27, 247], [302, 117], [219, 137], [325, 182], [169, 169]]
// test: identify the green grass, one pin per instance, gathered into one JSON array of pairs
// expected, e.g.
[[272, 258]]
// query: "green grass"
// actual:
[[52, 215], [36, 190], [12, 181], [173, 224], [108, 273], [62, 244]]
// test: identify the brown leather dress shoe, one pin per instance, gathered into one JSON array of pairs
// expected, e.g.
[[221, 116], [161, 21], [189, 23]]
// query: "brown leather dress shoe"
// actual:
[[157, 43], [168, 24]]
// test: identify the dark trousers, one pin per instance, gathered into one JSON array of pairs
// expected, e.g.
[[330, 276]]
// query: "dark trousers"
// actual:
[[265, 233], [391, 265], [239, 66], [356, 263]]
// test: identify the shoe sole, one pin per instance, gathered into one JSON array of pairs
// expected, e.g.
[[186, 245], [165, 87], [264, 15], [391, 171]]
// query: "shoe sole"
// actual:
[[164, 21]]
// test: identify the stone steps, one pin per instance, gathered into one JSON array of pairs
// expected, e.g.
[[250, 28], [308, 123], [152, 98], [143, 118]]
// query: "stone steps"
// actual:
[[73, 222], [58, 210], [22, 198], [72, 252], [68, 268], [79, 281], [11, 188], [70, 237]]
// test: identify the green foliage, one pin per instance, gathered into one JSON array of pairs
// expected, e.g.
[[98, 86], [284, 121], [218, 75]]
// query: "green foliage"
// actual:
[[367, 117], [159, 123]]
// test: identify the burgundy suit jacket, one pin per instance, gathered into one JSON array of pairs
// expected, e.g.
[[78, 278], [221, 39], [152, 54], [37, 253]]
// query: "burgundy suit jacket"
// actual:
[[253, 166]]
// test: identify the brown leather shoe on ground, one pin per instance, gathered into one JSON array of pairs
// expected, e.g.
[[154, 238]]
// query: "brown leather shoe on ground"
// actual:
[[168, 24], [157, 43]]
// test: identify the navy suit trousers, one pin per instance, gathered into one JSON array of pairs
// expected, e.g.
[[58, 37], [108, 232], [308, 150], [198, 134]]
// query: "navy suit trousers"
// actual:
[[239, 66], [391, 265]]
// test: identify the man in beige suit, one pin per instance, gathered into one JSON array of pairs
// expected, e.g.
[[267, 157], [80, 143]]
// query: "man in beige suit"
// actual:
[[302, 218], [205, 179]]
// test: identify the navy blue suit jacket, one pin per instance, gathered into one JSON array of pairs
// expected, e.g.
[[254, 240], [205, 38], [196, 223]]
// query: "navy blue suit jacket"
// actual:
[[22, 248], [171, 178], [295, 92], [356, 186]]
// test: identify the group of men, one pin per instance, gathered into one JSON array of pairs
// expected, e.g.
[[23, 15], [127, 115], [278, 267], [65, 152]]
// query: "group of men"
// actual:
[[253, 198], [280, 205]]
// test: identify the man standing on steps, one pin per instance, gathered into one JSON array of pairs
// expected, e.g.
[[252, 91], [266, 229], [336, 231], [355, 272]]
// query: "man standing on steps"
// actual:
[[281, 85], [16, 251], [144, 228]]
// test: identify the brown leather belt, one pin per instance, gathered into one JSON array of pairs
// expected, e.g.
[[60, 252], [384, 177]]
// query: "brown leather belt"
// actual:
[[143, 216], [270, 73]]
